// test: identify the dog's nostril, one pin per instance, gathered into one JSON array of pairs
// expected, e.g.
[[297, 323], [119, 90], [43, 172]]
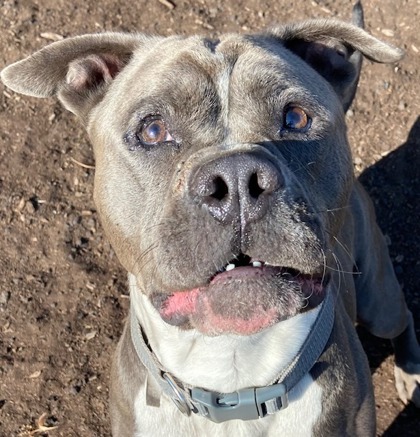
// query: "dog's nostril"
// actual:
[[254, 187], [220, 188]]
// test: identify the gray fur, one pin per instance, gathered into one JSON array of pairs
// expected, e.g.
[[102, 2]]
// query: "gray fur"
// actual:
[[223, 99]]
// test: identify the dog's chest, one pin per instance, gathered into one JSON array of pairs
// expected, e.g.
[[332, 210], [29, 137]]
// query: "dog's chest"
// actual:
[[297, 420]]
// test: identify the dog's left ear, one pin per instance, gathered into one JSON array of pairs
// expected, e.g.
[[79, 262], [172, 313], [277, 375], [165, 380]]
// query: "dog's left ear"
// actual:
[[335, 48]]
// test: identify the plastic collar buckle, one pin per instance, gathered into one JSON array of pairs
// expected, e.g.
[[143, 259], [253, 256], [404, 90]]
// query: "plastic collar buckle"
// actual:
[[245, 404]]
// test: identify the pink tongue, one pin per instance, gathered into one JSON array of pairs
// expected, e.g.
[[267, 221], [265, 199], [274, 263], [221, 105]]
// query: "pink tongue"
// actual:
[[181, 302], [196, 306], [206, 309], [214, 324], [185, 302]]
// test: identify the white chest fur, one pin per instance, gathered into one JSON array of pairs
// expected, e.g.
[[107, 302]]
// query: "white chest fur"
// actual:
[[226, 364]]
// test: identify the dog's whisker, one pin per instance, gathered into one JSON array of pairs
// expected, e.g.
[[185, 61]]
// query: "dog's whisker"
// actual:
[[304, 167], [330, 210], [143, 259], [167, 221], [338, 270], [324, 258], [346, 251], [339, 276]]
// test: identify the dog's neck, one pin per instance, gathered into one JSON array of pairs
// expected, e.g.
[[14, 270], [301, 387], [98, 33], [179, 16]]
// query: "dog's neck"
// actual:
[[224, 363]]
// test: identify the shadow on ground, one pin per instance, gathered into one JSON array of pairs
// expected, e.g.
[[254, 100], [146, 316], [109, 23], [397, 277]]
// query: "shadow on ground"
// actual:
[[394, 185]]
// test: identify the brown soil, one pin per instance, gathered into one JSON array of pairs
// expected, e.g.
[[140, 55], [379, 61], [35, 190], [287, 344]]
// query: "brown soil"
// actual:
[[62, 292]]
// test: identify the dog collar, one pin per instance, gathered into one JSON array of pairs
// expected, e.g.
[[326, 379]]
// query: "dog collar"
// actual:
[[245, 404]]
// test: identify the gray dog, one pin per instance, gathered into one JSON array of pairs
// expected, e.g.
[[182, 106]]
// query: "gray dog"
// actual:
[[224, 181]]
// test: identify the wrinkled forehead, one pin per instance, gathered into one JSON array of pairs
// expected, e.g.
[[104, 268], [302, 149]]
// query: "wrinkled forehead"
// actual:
[[253, 59], [202, 79]]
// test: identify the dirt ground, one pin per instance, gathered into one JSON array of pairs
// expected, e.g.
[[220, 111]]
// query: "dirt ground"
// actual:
[[62, 292]]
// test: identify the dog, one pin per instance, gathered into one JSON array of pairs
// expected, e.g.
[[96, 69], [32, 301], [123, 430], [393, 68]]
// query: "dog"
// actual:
[[224, 182]]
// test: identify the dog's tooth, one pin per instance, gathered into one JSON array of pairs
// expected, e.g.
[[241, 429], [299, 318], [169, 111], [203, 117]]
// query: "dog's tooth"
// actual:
[[256, 264], [230, 267]]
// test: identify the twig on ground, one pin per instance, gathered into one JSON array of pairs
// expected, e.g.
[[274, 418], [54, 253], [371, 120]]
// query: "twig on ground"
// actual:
[[82, 164]]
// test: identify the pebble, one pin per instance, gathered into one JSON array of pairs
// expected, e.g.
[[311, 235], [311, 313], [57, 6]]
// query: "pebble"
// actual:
[[388, 32], [4, 297]]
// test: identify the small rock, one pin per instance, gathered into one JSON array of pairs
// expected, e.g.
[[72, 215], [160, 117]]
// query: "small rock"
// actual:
[[4, 297], [90, 335], [388, 32], [399, 258], [30, 207], [35, 375], [169, 4], [52, 36]]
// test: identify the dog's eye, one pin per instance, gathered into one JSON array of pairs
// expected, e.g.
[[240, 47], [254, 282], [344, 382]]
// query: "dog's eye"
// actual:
[[295, 119], [153, 131]]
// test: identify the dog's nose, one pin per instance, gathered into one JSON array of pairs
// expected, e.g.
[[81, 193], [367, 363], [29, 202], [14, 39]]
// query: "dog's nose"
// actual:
[[237, 187]]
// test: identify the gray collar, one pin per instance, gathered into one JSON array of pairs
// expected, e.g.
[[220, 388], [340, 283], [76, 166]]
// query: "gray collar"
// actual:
[[249, 403]]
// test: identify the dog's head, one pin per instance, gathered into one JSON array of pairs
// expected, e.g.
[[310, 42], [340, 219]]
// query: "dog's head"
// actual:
[[222, 166]]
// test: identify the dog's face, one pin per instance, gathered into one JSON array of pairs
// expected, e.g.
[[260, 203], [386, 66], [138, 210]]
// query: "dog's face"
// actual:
[[212, 155], [218, 153]]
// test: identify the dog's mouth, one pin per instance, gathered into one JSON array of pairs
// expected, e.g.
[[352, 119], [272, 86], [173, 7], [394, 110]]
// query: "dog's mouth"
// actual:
[[244, 297]]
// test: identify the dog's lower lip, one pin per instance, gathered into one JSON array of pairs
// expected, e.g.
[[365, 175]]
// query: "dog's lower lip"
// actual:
[[243, 300]]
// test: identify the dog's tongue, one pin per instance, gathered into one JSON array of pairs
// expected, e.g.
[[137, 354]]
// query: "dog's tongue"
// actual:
[[242, 303], [197, 305]]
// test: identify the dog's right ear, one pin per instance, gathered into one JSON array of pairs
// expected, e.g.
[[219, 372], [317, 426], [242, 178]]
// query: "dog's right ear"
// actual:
[[78, 70]]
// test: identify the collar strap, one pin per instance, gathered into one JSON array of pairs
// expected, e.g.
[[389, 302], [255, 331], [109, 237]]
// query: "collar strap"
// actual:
[[245, 404]]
